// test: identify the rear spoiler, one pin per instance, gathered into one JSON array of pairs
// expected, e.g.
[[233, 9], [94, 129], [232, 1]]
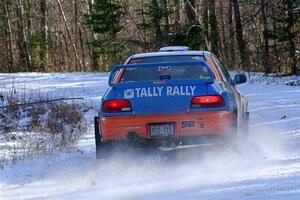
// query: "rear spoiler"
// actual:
[[116, 69]]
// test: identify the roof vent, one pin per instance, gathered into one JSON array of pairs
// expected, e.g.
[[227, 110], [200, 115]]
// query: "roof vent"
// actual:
[[173, 48]]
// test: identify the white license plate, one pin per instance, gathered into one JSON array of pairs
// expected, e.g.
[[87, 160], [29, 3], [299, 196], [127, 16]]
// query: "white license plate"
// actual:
[[161, 130]]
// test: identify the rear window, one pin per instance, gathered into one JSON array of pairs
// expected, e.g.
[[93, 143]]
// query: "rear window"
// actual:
[[155, 59], [182, 72]]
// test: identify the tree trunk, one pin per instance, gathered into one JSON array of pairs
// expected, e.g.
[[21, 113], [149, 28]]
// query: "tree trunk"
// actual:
[[291, 37], [22, 39], [239, 36], [190, 11], [191, 5], [274, 46], [67, 67], [29, 26], [292, 51], [10, 42], [44, 33], [82, 50], [255, 33], [224, 50], [177, 15], [214, 33], [165, 14], [94, 60], [78, 34], [156, 21], [69, 35], [231, 37], [29, 18], [265, 59], [144, 33]]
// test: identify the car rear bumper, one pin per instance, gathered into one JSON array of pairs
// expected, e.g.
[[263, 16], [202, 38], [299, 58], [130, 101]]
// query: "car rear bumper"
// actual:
[[202, 123]]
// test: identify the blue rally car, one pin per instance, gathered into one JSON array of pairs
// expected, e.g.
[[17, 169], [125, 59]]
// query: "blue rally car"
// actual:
[[173, 95]]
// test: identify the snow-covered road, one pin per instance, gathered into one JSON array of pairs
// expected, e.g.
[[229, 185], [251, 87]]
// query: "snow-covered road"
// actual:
[[265, 167]]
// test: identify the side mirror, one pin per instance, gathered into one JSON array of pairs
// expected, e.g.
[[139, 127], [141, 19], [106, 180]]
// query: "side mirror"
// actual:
[[239, 79]]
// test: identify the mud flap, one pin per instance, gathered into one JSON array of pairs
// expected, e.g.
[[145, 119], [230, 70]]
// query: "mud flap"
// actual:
[[98, 140], [104, 149]]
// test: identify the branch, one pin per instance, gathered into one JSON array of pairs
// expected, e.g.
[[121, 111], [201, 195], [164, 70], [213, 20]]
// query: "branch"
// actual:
[[199, 22], [69, 34], [246, 21], [14, 122], [39, 102]]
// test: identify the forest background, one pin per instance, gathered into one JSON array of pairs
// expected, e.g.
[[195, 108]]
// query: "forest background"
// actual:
[[93, 35]]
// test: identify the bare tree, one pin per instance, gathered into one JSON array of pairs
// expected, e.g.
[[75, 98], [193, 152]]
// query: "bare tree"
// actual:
[[239, 36], [165, 14], [177, 15], [231, 48], [191, 6], [214, 33], [79, 41], [22, 39], [265, 58], [191, 11], [69, 35], [224, 40], [10, 42], [44, 34]]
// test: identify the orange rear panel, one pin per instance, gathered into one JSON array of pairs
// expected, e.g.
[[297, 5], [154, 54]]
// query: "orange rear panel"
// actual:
[[214, 122]]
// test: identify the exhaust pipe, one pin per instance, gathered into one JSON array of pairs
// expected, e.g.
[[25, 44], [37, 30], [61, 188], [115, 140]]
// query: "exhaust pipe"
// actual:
[[135, 139]]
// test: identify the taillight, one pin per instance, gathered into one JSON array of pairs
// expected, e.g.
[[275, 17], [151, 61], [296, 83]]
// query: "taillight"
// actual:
[[116, 106], [210, 101]]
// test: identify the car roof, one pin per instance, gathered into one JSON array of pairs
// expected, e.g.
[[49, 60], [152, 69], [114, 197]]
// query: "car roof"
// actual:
[[170, 53]]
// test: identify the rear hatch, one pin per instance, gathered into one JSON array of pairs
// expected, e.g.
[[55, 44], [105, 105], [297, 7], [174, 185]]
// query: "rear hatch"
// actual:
[[165, 97], [160, 88]]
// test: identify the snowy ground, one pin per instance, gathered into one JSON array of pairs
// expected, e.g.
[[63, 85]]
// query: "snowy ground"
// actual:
[[31, 86], [265, 167]]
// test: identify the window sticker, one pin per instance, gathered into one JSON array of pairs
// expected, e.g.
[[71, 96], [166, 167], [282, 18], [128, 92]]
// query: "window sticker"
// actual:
[[166, 69], [159, 91], [131, 69], [196, 58], [204, 77]]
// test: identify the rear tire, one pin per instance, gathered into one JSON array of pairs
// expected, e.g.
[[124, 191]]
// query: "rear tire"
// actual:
[[103, 150], [232, 134], [245, 128]]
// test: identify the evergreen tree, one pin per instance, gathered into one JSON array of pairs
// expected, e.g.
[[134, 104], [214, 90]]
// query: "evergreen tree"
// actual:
[[105, 23], [143, 25], [287, 20], [155, 14], [214, 33]]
